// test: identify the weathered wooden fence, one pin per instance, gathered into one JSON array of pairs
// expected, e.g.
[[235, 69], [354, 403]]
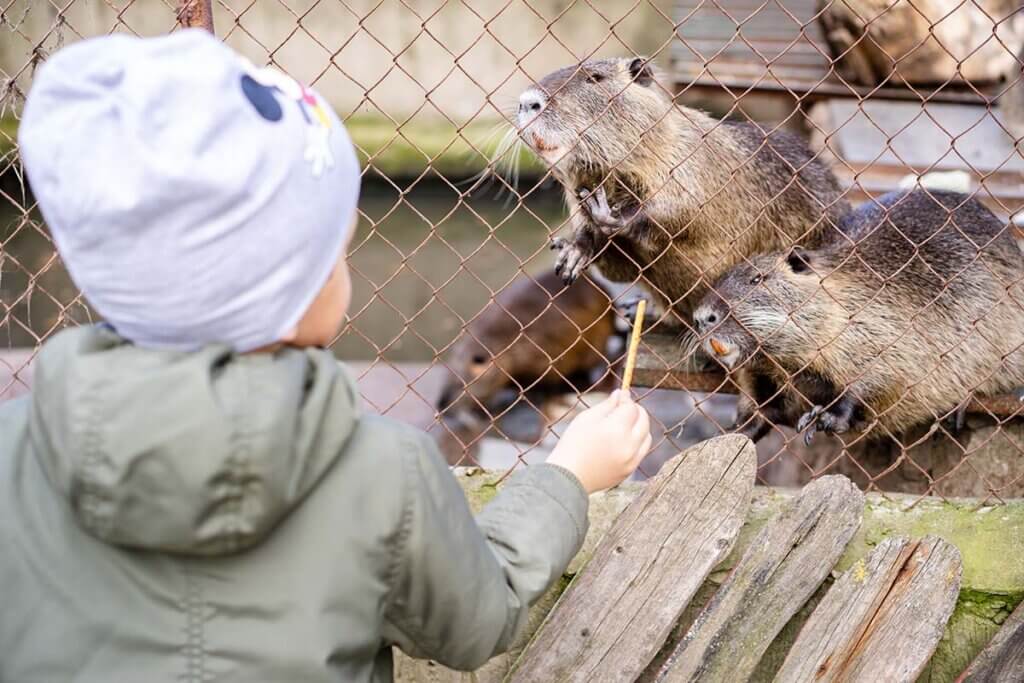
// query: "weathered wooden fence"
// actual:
[[703, 577]]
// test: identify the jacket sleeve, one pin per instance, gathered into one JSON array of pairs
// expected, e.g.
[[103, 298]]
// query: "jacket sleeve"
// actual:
[[463, 587]]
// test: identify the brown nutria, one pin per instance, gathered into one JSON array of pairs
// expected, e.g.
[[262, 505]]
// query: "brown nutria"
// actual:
[[537, 336], [895, 326], [664, 192]]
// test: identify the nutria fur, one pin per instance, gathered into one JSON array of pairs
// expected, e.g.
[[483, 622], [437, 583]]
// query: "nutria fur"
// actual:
[[675, 193], [537, 335], [922, 306]]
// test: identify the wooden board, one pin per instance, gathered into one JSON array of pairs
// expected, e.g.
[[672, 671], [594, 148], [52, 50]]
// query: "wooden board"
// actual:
[[883, 618], [660, 364], [616, 614], [873, 145], [918, 136], [1003, 658], [780, 571], [736, 45]]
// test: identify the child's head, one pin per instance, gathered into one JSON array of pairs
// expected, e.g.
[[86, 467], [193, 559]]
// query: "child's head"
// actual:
[[194, 198]]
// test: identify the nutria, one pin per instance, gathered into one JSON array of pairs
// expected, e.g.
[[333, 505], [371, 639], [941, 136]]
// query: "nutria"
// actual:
[[664, 190], [537, 336], [890, 328]]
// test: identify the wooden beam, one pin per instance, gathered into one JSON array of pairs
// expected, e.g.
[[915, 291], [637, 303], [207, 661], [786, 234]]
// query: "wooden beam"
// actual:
[[1003, 658], [661, 364], [781, 570], [196, 14], [883, 618], [617, 613]]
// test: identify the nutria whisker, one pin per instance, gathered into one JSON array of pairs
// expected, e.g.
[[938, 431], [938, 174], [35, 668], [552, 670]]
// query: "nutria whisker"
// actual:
[[499, 161], [762, 319]]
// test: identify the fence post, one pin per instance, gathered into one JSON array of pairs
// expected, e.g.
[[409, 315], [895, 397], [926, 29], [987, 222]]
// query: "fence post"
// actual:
[[196, 14]]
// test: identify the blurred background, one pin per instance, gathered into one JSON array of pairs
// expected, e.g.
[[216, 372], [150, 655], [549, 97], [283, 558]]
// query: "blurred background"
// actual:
[[427, 89]]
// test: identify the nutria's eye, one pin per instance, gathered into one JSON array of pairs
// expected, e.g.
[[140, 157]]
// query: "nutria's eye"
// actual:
[[479, 359], [595, 78], [757, 279]]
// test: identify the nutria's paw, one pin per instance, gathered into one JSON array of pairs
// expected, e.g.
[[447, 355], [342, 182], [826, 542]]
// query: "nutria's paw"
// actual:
[[818, 418], [809, 421], [572, 259], [629, 307], [607, 219]]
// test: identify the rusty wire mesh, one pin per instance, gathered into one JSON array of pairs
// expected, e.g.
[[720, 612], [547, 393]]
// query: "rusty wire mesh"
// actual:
[[456, 312]]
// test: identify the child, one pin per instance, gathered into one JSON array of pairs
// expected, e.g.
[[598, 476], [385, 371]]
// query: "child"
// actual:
[[191, 492]]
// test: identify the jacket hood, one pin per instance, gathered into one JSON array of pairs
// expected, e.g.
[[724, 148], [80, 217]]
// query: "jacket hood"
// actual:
[[197, 453]]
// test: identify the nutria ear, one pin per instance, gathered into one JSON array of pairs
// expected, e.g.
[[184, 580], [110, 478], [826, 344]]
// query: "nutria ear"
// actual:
[[799, 259], [641, 72]]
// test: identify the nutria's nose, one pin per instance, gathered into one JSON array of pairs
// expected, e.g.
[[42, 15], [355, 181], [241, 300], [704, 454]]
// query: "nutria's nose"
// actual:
[[531, 101], [705, 318]]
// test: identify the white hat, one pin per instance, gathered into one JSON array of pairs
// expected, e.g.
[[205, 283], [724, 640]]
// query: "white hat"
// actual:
[[194, 198]]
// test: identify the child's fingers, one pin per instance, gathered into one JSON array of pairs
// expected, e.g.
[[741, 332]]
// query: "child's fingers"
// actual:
[[626, 414], [642, 426], [645, 448], [605, 407]]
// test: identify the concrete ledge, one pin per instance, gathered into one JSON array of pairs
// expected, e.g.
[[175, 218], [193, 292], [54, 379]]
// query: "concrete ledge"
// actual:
[[990, 538], [407, 152]]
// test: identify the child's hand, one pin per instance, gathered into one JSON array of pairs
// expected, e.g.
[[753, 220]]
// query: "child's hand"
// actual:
[[604, 444]]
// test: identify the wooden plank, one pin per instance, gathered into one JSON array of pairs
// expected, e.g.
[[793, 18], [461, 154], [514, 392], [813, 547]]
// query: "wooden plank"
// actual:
[[661, 364], [779, 572], [777, 47], [921, 136], [883, 619], [1003, 658], [616, 614], [990, 578]]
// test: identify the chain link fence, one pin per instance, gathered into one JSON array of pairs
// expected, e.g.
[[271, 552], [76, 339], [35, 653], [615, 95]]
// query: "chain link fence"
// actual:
[[460, 324]]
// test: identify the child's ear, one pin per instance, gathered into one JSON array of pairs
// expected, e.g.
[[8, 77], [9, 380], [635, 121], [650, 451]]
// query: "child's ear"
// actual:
[[640, 71], [799, 260]]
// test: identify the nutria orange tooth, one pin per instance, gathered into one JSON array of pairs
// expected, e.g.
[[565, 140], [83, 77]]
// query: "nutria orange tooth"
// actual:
[[718, 347]]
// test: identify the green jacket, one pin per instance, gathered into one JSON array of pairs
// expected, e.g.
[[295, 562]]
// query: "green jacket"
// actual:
[[209, 516]]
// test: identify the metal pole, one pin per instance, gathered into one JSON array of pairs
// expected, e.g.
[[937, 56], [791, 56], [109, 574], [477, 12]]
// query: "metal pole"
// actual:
[[196, 14]]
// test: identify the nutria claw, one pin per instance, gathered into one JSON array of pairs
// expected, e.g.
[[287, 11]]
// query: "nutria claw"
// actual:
[[607, 219], [809, 421], [571, 260], [818, 418], [628, 309]]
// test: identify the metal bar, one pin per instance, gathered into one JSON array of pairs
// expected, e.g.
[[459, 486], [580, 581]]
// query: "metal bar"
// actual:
[[196, 14]]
